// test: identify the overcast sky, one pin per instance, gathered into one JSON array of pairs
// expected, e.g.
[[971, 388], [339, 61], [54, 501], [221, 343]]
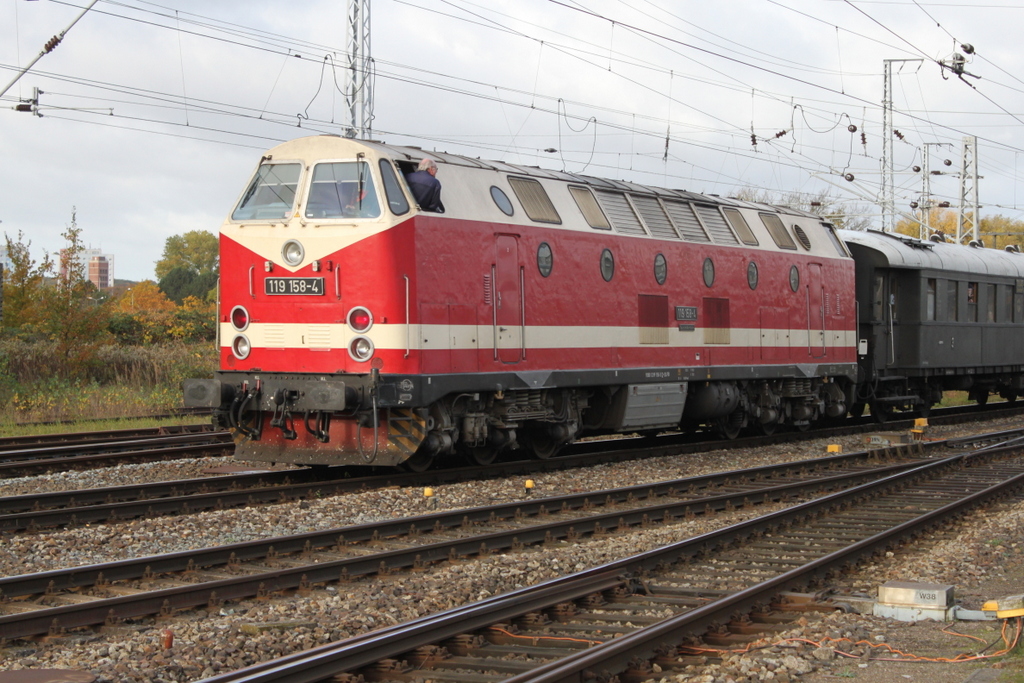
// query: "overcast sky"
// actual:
[[155, 114]]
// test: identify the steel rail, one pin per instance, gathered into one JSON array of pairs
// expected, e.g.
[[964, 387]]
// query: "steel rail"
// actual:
[[615, 655], [17, 442], [22, 468], [38, 511], [167, 600]]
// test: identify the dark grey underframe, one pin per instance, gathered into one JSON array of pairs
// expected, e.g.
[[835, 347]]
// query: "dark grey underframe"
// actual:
[[421, 390]]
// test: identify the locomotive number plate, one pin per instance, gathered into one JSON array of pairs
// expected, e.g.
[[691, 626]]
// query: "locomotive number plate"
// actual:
[[294, 285]]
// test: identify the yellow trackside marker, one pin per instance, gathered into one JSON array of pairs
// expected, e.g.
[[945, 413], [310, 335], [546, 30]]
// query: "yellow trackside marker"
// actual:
[[835, 448], [428, 492], [921, 422], [528, 486]]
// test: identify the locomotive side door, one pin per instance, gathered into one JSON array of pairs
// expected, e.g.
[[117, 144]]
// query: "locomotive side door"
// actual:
[[815, 311], [507, 300]]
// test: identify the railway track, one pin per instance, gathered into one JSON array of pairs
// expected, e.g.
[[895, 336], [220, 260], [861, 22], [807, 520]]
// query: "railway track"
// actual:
[[95, 451], [35, 512], [636, 618], [63, 599]]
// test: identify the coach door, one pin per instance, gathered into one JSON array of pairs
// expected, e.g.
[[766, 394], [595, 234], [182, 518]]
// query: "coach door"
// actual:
[[507, 301], [815, 312]]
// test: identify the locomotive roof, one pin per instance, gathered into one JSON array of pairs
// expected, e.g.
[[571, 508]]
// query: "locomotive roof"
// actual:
[[415, 154], [900, 251]]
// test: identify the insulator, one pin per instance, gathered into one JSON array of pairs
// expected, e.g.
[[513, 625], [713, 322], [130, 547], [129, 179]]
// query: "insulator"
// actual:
[[51, 43], [849, 177], [550, 150], [863, 138], [23, 107], [753, 140], [852, 128], [947, 162], [780, 134], [944, 205], [913, 205], [898, 134], [917, 169], [968, 48]]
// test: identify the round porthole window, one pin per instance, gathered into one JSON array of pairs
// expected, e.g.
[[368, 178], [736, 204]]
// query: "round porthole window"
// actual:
[[502, 200], [545, 259], [607, 265], [794, 278], [709, 272], [752, 275], [660, 268]]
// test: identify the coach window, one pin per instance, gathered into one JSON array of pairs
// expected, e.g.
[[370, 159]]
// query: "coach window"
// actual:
[[1018, 301], [794, 278], [534, 200], [752, 275], [396, 198], [607, 265], [972, 302], [877, 298], [545, 259], [929, 306], [502, 200], [709, 271], [660, 269], [1006, 315], [990, 303], [952, 301]]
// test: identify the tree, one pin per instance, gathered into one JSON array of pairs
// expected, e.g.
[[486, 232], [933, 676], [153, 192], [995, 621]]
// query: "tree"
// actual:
[[844, 216], [181, 283], [23, 283], [196, 250], [142, 314], [72, 315], [996, 231]]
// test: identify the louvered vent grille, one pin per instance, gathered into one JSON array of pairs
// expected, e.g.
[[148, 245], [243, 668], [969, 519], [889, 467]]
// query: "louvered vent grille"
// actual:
[[719, 229], [682, 215], [655, 218], [620, 213]]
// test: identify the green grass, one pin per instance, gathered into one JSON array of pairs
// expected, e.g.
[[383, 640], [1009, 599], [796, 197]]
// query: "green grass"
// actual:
[[97, 425]]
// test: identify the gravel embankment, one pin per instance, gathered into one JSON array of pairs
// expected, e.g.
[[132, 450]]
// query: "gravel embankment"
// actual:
[[206, 642]]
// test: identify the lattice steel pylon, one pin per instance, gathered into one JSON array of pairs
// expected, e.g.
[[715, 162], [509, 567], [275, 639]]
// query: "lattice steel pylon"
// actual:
[[359, 81], [888, 198], [967, 223]]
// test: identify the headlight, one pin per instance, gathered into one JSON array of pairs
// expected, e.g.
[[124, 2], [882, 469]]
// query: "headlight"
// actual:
[[292, 252], [239, 318], [360, 348], [240, 347], [360, 319]]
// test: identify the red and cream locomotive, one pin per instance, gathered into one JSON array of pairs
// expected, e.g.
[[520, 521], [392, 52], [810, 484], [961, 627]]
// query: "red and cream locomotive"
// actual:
[[355, 328]]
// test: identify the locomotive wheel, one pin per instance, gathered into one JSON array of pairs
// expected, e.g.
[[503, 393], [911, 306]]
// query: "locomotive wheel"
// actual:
[[419, 461], [729, 427], [766, 428], [479, 455], [542, 446], [982, 398]]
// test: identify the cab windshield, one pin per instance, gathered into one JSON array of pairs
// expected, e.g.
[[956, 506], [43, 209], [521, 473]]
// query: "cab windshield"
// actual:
[[342, 190], [270, 195]]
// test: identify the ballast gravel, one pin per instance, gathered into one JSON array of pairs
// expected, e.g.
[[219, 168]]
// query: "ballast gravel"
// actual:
[[247, 632]]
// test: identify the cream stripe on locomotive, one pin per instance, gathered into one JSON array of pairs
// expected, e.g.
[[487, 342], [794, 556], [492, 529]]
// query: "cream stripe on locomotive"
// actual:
[[440, 337]]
